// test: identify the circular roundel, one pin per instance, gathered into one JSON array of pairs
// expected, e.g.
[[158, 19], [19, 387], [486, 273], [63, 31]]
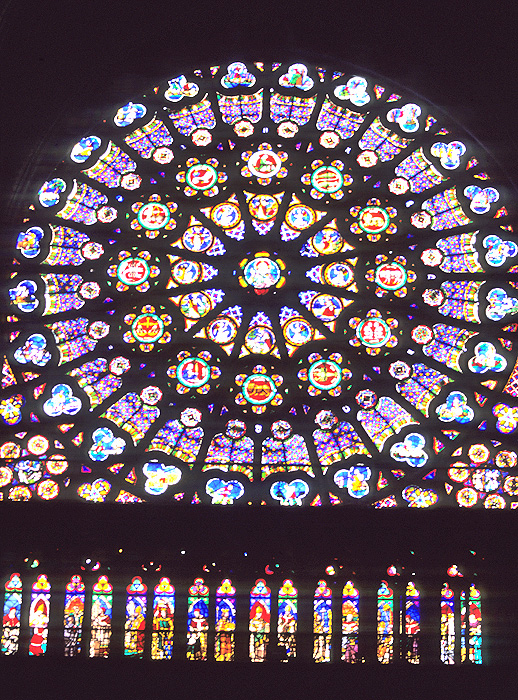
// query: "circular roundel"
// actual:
[[133, 271], [259, 389], [373, 219], [193, 372], [147, 328], [264, 164], [325, 374], [263, 207], [201, 176], [297, 269], [153, 216], [262, 273], [391, 276]]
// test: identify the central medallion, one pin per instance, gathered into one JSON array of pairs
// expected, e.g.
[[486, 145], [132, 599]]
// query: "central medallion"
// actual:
[[261, 273]]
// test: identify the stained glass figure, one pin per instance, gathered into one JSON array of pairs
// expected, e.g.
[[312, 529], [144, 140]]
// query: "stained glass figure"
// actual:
[[11, 619], [259, 620], [39, 615], [287, 619], [252, 245], [135, 625], [322, 623], [101, 617], [447, 625], [197, 621], [163, 620], [225, 621], [385, 626], [73, 616], [350, 623], [471, 626], [412, 623]]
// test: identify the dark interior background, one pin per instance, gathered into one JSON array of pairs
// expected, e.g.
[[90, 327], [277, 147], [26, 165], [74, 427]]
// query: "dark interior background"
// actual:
[[62, 64]]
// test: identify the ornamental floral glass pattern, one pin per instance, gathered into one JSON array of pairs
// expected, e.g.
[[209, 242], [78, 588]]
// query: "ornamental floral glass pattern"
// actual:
[[265, 283]]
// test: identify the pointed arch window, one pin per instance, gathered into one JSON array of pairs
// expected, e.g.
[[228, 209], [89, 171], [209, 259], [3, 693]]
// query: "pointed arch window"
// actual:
[[74, 611], [447, 625], [225, 621], [163, 620], [385, 624], [135, 626], [11, 620], [259, 620], [197, 621], [39, 615], [287, 618], [350, 623], [101, 617], [322, 623], [471, 626], [412, 623]]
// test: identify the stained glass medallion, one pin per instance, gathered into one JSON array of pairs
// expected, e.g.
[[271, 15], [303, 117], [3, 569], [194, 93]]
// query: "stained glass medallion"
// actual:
[[265, 284]]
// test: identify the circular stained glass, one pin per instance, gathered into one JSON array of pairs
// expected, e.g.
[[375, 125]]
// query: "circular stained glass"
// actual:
[[262, 273], [153, 216], [377, 357], [259, 389], [325, 374], [263, 207], [391, 276], [327, 179], [373, 332], [147, 328], [264, 164], [193, 372], [133, 271], [373, 219], [201, 176]]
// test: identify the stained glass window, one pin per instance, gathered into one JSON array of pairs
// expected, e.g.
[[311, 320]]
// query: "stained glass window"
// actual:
[[197, 621], [163, 620], [135, 626], [265, 283], [225, 621], [385, 616], [350, 623], [412, 623], [259, 620], [447, 625], [73, 615], [101, 617], [39, 614], [471, 626], [11, 619], [322, 623], [287, 619]]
